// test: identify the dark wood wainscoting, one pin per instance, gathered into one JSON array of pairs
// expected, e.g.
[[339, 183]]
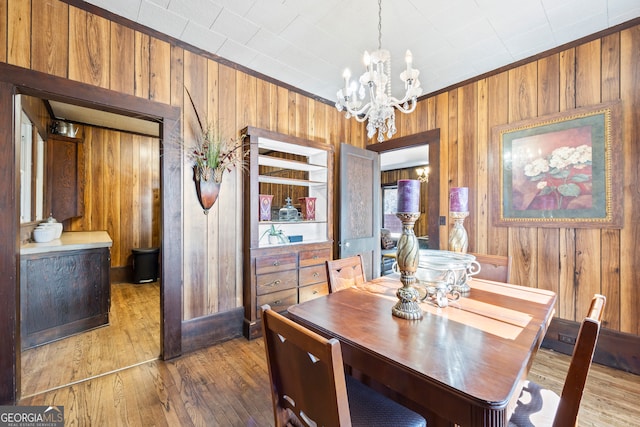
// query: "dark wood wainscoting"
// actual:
[[615, 349]]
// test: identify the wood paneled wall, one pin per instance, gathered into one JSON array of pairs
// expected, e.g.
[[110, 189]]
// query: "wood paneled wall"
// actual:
[[122, 190], [574, 262], [61, 39]]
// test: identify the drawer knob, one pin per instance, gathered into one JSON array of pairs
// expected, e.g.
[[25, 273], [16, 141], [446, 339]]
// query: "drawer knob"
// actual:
[[316, 274], [316, 257], [276, 263], [277, 302], [274, 283], [315, 292]]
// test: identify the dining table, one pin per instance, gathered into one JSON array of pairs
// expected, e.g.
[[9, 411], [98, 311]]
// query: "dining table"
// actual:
[[461, 364]]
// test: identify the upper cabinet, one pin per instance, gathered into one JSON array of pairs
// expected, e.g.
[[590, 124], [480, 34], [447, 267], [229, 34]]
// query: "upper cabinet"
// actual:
[[65, 177], [288, 221]]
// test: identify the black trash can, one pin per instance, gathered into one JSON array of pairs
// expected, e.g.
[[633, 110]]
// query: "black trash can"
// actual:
[[145, 264]]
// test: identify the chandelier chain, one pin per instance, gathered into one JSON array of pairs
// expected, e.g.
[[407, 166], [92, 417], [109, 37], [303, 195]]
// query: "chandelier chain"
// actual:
[[379, 24]]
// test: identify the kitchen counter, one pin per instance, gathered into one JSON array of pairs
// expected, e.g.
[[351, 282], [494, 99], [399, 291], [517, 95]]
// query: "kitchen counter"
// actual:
[[64, 286], [70, 241]]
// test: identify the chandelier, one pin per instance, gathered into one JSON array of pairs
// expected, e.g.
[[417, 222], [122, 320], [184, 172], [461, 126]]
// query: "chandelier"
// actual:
[[376, 82], [423, 174]]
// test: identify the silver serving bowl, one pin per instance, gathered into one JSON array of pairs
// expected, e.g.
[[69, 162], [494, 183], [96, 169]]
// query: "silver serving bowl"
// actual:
[[454, 267]]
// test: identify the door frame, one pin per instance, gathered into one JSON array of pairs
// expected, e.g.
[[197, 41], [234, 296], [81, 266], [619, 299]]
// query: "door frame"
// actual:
[[16, 80], [430, 138]]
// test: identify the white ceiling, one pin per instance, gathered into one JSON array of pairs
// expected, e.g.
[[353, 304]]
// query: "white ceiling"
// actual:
[[308, 43]]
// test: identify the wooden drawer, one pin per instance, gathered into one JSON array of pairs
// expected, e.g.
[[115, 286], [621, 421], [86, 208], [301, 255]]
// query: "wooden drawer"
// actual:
[[273, 282], [274, 263], [311, 275], [279, 301], [314, 257], [313, 291]]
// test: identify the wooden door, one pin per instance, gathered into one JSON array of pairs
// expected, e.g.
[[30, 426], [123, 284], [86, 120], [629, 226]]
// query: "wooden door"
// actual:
[[360, 211]]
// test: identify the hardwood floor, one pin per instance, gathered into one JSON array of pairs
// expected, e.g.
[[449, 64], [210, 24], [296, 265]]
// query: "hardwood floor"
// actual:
[[132, 337], [227, 385]]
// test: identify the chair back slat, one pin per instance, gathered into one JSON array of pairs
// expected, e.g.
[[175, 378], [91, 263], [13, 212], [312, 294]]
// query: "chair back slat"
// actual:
[[567, 412], [306, 373], [345, 273], [493, 267]]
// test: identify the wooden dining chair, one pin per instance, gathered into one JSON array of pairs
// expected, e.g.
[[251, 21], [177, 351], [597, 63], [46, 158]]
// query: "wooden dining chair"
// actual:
[[538, 406], [345, 273], [493, 267], [309, 387]]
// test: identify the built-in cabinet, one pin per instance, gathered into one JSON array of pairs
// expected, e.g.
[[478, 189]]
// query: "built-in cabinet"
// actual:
[[65, 177], [64, 286], [277, 272]]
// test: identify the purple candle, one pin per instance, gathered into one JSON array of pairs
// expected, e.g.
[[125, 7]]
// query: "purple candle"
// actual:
[[459, 199], [408, 195]]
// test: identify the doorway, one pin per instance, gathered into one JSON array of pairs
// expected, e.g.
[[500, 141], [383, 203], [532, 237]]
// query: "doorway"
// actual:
[[18, 80], [120, 197]]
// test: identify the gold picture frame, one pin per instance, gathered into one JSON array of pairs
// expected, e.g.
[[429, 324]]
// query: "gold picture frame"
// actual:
[[561, 170]]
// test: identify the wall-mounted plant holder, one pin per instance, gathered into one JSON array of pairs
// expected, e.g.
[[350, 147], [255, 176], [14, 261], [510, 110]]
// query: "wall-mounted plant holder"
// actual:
[[207, 190]]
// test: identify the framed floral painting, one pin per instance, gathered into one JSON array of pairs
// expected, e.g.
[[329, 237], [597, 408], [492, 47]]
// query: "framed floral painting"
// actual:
[[561, 170]]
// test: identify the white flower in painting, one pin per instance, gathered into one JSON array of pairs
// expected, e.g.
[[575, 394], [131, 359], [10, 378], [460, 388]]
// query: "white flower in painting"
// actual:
[[570, 156], [537, 167], [541, 185]]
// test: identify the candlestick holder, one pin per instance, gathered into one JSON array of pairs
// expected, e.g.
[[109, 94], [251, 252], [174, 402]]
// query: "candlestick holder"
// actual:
[[458, 238], [408, 257]]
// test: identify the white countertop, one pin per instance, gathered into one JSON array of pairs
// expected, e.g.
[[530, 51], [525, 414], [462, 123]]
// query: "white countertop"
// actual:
[[70, 241]]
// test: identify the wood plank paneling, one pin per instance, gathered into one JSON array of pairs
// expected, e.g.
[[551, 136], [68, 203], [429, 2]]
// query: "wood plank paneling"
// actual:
[[630, 236], [3, 34], [228, 233], [49, 45], [19, 33], [196, 227], [610, 239], [497, 114], [89, 42], [122, 59], [141, 65]]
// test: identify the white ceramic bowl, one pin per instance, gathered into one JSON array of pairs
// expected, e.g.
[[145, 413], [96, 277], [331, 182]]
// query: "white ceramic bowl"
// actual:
[[55, 226], [43, 234]]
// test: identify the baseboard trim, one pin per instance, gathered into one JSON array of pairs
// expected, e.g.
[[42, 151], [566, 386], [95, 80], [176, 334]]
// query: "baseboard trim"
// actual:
[[615, 349], [209, 330]]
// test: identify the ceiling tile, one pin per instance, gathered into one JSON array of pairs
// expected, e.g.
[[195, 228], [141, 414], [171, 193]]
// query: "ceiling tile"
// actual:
[[156, 17], [203, 37], [202, 12], [234, 26]]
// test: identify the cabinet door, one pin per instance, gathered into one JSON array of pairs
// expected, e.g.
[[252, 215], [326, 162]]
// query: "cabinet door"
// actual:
[[65, 178]]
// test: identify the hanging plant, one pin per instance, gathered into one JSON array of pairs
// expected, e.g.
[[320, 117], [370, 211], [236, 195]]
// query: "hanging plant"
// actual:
[[211, 154]]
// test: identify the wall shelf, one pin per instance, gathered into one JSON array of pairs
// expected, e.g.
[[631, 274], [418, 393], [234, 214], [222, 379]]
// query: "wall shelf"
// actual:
[[285, 167]]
